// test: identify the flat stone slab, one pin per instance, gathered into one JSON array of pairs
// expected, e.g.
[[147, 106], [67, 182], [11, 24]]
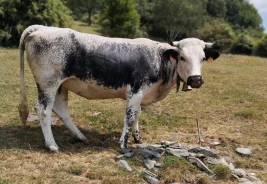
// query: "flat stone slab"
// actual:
[[177, 152], [205, 151], [243, 151], [147, 153], [149, 163], [125, 165]]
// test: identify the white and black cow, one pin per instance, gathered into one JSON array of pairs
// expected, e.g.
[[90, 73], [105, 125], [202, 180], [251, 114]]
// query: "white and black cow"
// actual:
[[140, 71]]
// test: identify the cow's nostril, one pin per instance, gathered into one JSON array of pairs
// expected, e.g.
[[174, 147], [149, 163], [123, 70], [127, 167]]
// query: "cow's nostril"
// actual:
[[195, 81]]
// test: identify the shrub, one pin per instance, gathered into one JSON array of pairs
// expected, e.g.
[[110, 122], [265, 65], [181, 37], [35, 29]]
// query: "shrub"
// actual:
[[16, 15], [261, 48], [242, 45], [222, 171], [217, 30]]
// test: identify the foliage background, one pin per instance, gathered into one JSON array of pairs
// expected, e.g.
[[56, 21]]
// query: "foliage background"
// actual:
[[236, 24]]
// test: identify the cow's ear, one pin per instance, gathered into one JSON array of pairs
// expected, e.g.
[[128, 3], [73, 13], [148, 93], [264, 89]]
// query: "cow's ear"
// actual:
[[211, 55], [171, 55]]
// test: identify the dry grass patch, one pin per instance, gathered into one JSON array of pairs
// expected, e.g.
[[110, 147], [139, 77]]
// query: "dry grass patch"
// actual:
[[231, 106]]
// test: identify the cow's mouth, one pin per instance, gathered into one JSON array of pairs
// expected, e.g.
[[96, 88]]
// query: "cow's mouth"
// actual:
[[186, 87], [195, 81]]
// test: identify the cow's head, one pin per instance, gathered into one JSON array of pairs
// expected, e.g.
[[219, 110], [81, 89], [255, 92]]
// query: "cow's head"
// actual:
[[192, 53]]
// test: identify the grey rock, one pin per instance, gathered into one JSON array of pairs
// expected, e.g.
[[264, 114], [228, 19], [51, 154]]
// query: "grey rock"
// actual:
[[245, 181], [199, 164], [223, 162], [178, 152], [211, 160], [207, 152], [144, 145], [243, 151], [176, 145], [239, 172], [168, 143], [125, 165], [231, 166], [145, 153], [234, 176], [151, 174], [254, 179], [151, 180], [149, 163], [157, 148], [127, 155], [158, 164]]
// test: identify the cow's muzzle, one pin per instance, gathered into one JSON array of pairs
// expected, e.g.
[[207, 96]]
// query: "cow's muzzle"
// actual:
[[195, 81]]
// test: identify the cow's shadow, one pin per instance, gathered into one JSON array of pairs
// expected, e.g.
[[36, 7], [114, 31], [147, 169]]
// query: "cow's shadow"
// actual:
[[31, 138]]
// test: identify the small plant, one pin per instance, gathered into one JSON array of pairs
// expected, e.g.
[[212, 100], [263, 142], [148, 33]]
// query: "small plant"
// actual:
[[176, 169], [204, 179], [222, 171], [76, 169]]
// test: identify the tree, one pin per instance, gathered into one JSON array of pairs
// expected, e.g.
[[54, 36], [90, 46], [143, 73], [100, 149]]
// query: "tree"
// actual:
[[174, 17], [243, 44], [242, 15], [81, 7], [120, 19], [16, 15], [216, 8], [261, 48], [217, 30]]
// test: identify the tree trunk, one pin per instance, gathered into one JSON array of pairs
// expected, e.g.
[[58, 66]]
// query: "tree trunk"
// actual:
[[89, 20]]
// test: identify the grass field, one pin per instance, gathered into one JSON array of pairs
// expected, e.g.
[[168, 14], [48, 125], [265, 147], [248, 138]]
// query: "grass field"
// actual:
[[231, 106]]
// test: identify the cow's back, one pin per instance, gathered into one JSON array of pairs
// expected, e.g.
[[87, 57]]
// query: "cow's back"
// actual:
[[108, 63]]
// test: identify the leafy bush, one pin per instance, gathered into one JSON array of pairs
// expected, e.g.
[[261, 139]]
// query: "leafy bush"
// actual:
[[120, 19], [16, 15], [222, 171], [242, 45], [261, 48], [217, 30]]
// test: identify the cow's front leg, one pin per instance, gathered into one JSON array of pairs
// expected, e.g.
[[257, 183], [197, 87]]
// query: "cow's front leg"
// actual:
[[131, 117], [135, 129], [43, 109]]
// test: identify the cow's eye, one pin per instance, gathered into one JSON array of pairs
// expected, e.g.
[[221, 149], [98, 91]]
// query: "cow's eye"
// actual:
[[182, 58]]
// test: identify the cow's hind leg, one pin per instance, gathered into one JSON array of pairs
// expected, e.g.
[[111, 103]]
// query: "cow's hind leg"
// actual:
[[135, 128], [61, 109], [43, 109], [131, 116]]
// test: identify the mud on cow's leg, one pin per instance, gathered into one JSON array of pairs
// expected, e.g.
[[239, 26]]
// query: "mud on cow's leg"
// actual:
[[43, 109], [61, 109], [131, 118]]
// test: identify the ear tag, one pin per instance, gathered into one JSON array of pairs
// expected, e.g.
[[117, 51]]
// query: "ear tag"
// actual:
[[210, 59], [172, 59]]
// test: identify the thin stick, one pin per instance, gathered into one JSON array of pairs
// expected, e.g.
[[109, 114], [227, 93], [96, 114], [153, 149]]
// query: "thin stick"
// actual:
[[199, 137]]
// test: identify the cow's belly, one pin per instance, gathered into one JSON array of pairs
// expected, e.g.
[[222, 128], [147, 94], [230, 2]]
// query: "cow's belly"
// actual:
[[91, 90]]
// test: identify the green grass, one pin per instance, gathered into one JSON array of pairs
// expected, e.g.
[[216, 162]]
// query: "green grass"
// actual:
[[231, 105]]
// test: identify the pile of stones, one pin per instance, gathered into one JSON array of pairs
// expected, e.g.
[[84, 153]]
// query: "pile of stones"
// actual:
[[198, 156]]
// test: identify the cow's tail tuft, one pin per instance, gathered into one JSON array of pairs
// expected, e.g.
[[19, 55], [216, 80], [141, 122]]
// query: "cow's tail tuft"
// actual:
[[23, 106]]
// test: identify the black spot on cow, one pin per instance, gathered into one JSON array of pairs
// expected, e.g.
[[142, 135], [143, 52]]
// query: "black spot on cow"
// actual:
[[41, 46], [112, 65], [168, 67], [42, 97]]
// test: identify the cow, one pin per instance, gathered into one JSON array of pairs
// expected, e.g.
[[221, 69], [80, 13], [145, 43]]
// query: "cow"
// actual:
[[140, 71]]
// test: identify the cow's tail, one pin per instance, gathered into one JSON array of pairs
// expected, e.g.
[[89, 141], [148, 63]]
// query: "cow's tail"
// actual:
[[23, 106]]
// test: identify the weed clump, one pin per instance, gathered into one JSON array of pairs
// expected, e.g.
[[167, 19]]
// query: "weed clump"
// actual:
[[177, 169], [76, 169], [222, 172]]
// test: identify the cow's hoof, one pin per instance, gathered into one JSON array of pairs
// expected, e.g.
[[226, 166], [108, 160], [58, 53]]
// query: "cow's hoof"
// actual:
[[125, 150], [138, 141], [85, 141], [53, 149]]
